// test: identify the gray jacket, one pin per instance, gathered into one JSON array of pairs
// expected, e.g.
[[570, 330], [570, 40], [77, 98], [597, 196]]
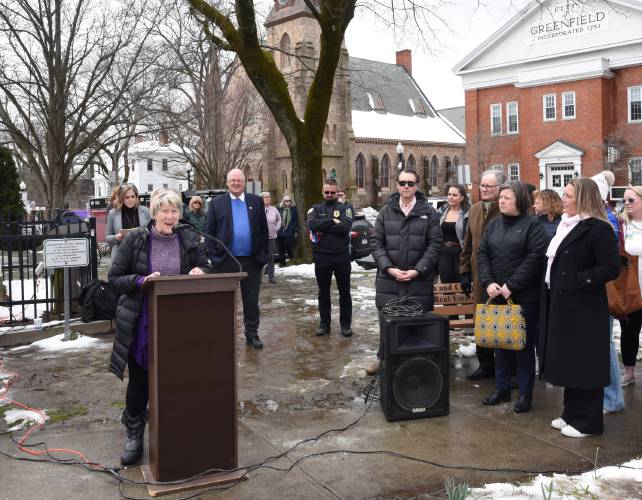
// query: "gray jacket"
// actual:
[[460, 225], [115, 224]]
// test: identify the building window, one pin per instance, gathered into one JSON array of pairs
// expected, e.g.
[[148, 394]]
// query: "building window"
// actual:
[[512, 118], [549, 107], [411, 164], [165, 186], [333, 174], [635, 171], [635, 105], [284, 180], [454, 170], [568, 103], [384, 172], [513, 171], [180, 187], [360, 173], [495, 119], [150, 165], [133, 166], [150, 188], [449, 171], [334, 133], [286, 49], [434, 168], [498, 166], [164, 164]]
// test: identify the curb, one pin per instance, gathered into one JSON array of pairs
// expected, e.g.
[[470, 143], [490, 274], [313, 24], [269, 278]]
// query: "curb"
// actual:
[[23, 337]]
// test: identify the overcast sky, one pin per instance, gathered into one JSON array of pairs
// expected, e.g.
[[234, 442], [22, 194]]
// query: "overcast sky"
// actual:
[[467, 26]]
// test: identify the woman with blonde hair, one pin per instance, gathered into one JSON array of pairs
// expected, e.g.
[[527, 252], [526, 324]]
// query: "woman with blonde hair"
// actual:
[[129, 214], [547, 206], [574, 324], [630, 340], [196, 214], [152, 250]]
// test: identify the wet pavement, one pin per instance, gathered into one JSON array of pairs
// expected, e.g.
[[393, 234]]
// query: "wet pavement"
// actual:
[[296, 388]]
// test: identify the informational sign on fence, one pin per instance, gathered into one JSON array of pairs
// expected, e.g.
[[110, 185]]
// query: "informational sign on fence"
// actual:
[[66, 252]]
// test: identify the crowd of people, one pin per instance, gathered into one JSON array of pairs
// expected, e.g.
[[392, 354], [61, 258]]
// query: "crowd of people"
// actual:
[[551, 256]]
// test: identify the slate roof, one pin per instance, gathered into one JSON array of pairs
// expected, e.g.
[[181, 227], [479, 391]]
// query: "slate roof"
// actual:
[[456, 116], [387, 103]]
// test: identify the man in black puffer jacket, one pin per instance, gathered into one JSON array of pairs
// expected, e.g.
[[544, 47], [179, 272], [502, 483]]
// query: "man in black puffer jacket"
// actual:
[[406, 247]]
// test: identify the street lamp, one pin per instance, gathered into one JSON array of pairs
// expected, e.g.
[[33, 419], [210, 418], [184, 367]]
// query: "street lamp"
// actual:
[[400, 153], [23, 194]]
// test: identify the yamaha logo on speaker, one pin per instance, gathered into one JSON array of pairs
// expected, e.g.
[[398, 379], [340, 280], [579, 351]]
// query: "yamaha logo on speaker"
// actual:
[[418, 410]]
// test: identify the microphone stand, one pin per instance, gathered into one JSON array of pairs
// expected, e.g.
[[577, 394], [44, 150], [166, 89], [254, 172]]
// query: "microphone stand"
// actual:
[[186, 224]]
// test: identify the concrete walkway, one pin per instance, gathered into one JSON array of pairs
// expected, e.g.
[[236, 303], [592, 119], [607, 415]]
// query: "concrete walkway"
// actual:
[[296, 388]]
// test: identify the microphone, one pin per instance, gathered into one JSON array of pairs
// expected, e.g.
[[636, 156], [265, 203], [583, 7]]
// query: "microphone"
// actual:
[[184, 224]]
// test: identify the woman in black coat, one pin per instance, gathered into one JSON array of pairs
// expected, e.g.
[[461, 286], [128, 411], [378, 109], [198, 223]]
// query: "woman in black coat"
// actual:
[[574, 325], [406, 247], [146, 252], [510, 264]]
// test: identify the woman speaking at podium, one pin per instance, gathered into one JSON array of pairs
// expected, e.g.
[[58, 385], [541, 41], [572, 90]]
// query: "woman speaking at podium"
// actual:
[[153, 250]]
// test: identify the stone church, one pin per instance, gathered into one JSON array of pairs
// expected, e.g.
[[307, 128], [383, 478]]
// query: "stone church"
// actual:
[[375, 107]]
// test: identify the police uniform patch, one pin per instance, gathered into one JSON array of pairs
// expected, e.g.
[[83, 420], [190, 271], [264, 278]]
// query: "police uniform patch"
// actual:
[[349, 213], [336, 214]]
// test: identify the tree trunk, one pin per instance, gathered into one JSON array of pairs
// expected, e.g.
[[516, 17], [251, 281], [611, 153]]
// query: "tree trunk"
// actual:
[[307, 185]]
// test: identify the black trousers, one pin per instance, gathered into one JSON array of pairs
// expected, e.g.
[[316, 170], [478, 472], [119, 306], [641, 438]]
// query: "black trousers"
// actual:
[[630, 340], [137, 388], [583, 409], [449, 264], [250, 288], [323, 272], [286, 248]]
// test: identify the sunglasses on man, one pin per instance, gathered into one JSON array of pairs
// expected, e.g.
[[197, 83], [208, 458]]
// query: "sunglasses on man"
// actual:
[[329, 192], [407, 183]]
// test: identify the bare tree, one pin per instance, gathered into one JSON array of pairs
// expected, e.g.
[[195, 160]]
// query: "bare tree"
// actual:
[[68, 71], [216, 124]]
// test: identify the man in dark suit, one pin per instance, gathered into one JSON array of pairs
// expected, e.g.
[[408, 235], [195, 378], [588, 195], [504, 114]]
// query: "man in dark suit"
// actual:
[[238, 220]]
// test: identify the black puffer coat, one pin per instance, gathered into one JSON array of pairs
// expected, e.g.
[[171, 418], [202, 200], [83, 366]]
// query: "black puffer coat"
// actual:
[[513, 252], [412, 242], [131, 262]]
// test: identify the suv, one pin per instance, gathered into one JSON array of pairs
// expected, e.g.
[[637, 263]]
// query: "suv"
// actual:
[[437, 202], [360, 237]]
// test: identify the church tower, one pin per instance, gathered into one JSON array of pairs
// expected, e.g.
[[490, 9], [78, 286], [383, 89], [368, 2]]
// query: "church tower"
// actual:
[[295, 34]]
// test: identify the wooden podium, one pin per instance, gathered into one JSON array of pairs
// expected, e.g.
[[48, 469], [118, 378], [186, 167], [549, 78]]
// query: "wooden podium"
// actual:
[[192, 380]]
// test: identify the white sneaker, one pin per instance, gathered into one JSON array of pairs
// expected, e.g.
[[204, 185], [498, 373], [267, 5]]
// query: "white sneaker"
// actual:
[[627, 381], [571, 431], [558, 423]]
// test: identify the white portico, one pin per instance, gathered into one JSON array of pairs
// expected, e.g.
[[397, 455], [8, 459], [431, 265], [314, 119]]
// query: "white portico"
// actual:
[[558, 164]]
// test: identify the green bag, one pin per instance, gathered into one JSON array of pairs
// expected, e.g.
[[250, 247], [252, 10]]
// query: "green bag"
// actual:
[[500, 326]]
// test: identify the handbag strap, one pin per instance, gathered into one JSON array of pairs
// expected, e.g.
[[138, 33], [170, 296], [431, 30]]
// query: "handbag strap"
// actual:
[[509, 301]]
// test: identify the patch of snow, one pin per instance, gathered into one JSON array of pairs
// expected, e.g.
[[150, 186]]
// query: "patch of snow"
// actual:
[[306, 270], [373, 125], [20, 348], [279, 301], [596, 484], [310, 302], [271, 405], [467, 351], [370, 213], [56, 343], [22, 418], [295, 280], [20, 290]]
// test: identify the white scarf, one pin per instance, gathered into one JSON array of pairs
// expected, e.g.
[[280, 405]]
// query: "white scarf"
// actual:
[[565, 226]]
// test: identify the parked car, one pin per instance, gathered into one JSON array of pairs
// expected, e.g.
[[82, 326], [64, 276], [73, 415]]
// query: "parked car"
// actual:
[[437, 202], [360, 237]]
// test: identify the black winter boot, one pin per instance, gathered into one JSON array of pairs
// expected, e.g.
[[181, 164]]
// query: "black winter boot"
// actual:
[[135, 426]]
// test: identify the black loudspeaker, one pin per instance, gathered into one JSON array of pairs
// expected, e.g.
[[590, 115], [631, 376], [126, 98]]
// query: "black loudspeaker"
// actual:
[[415, 361]]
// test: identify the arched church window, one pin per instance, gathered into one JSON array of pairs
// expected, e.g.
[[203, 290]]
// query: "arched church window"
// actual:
[[453, 171], [334, 133], [411, 164], [286, 50], [360, 171], [384, 171], [434, 168], [333, 174]]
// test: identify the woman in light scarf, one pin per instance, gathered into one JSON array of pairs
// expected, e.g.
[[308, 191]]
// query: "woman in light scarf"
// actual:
[[574, 341]]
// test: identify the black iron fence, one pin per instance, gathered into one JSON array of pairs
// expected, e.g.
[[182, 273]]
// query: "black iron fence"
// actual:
[[27, 289]]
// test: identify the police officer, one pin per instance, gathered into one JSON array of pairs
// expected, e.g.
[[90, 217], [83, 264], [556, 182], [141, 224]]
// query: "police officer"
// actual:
[[329, 223]]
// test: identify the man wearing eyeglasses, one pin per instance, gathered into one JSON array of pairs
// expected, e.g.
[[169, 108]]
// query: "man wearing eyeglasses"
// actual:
[[329, 223], [478, 217]]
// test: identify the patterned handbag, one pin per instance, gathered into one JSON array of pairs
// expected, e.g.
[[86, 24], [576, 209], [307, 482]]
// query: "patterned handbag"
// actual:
[[500, 326]]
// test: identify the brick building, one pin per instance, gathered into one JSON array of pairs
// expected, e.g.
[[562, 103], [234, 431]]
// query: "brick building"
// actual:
[[557, 92], [375, 106]]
